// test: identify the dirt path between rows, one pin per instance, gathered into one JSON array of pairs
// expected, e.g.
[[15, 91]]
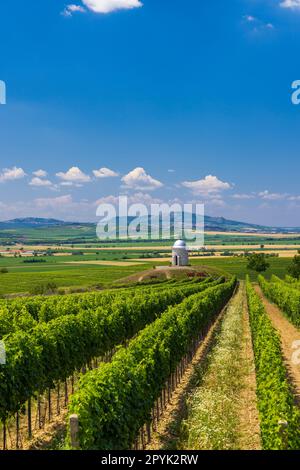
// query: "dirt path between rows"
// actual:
[[168, 431], [289, 335], [250, 438]]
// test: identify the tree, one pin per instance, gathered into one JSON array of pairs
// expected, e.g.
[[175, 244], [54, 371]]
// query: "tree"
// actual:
[[258, 262], [294, 268]]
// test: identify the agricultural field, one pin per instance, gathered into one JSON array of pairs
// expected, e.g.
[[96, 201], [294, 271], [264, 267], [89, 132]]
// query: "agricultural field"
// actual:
[[86, 272], [23, 268], [224, 378], [219, 382]]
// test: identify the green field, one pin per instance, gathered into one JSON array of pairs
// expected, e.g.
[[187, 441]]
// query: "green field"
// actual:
[[21, 281], [85, 234], [22, 277], [238, 266]]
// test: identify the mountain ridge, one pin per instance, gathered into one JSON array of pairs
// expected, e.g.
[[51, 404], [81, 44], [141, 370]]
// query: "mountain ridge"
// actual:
[[217, 224]]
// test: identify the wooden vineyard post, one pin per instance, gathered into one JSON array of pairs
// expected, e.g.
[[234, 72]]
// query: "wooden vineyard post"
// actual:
[[153, 420], [58, 399], [148, 432], [4, 434], [18, 430], [29, 419], [283, 427], [49, 404], [74, 431], [66, 393], [39, 412]]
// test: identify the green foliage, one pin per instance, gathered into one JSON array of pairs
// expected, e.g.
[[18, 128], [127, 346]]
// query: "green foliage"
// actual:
[[45, 309], [42, 289], [275, 398], [294, 268], [285, 296], [40, 354], [292, 281], [258, 262], [114, 401]]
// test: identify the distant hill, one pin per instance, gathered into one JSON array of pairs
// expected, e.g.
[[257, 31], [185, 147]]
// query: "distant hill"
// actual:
[[33, 222], [216, 224]]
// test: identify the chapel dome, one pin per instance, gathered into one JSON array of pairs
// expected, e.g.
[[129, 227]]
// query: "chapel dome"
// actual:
[[180, 244]]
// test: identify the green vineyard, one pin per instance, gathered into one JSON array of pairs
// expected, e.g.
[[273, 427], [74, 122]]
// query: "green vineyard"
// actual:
[[106, 366]]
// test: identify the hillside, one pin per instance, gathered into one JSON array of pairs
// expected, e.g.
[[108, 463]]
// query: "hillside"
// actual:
[[216, 224]]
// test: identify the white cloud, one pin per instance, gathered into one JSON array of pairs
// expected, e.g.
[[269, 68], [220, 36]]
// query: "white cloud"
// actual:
[[243, 196], [105, 173], [293, 4], [208, 186], [267, 196], [249, 18], [139, 179], [39, 182], [74, 175], [40, 173], [53, 202], [107, 6], [68, 184], [11, 174], [70, 9], [216, 202], [257, 25], [136, 198]]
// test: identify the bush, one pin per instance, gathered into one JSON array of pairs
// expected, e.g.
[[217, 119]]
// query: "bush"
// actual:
[[44, 289], [257, 262], [294, 268], [3, 270]]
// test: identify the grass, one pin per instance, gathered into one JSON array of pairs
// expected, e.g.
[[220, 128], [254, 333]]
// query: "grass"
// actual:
[[22, 277], [23, 281], [238, 266], [213, 409]]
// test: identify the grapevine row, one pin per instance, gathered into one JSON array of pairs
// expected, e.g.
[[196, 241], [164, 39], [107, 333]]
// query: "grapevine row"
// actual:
[[25, 314], [285, 296], [51, 352], [115, 401], [279, 417]]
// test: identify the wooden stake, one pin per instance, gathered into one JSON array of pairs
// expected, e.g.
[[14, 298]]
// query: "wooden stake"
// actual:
[[74, 431]]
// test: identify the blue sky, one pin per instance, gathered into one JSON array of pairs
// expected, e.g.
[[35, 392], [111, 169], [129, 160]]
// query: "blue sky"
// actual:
[[165, 100]]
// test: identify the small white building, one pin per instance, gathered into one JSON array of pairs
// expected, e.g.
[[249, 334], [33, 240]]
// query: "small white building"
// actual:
[[180, 254]]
